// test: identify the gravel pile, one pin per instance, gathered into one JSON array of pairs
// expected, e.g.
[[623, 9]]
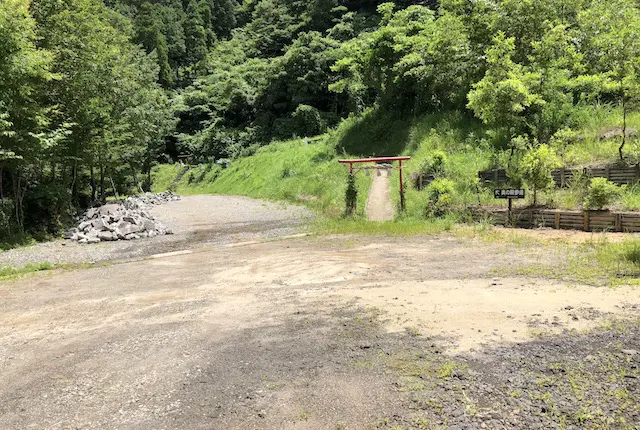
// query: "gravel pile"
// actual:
[[125, 220]]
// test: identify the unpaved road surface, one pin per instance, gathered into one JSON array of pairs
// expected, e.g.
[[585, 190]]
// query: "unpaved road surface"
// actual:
[[196, 221], [379, 206], [334, 332]]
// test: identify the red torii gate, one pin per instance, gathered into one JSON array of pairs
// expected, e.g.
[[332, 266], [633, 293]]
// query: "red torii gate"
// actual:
[[380, 160]]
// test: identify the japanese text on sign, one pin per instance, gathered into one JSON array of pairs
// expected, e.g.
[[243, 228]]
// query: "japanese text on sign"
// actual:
[[509, 193]]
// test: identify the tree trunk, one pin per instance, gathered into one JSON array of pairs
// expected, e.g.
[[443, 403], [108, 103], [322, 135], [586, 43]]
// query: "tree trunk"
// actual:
[[624, 126], [102, 192], [513, 150], [147, 169], [18, 198], [535, 197], [94, 191], [148, 187], [74, 180]]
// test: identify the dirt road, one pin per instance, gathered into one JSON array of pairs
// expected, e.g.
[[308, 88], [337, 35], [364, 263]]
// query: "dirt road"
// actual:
[[379, 206], [318, 333], [197, 221]]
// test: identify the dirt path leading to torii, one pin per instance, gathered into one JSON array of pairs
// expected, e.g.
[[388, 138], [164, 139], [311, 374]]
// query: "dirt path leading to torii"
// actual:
[[379, 206]]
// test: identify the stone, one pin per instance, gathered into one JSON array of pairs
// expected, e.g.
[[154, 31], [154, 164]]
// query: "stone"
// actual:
[[631, 352], [129, 219], [120, 234], [71, 233], [123, 225], [109, 209], [148, 225], [107, 236], [125, 220], [99, 224]]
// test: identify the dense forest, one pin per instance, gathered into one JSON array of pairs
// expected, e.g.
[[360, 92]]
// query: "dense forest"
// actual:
[[93, 94]]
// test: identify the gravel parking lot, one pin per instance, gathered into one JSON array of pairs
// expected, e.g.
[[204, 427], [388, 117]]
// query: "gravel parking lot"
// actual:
[[334, 332], [196, 221]]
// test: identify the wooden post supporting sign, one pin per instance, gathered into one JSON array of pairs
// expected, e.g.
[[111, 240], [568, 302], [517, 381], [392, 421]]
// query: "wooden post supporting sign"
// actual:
[[509, 194]]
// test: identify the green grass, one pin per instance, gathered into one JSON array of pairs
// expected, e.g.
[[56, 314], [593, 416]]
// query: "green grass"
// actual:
[[596, 262], [398, 227], [11, 273], [589, 150], [288, 171], [8, 274], [294, 172]]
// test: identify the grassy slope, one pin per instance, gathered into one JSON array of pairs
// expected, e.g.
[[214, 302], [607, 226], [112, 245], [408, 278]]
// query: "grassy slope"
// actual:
[[311, 175], [287, 171]]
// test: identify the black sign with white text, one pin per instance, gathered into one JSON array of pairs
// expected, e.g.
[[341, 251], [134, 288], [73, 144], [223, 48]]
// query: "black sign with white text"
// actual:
[[509, 193]]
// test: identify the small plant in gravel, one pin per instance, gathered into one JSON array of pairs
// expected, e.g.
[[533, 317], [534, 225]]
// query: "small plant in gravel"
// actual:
[[600, 193], [446, 369], [413, 331]]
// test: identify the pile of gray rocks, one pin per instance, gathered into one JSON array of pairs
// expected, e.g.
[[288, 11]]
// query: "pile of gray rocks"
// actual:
[[128, 219]]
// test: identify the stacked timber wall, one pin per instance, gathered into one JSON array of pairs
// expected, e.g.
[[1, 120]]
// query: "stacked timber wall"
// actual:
[[571, 220], [564, 176]]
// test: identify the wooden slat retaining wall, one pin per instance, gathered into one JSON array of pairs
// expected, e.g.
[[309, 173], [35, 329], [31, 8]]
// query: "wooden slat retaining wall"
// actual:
[[564, 176], [571, 220]]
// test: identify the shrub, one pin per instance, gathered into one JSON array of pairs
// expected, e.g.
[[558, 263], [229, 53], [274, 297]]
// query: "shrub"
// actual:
[[431, 167], [536, 166], [351, 195], [631, 253], [307, 121], [600, 193], [440, 196]]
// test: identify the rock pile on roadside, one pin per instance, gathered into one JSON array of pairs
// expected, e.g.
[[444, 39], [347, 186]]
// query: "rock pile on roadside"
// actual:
[[128, 219]]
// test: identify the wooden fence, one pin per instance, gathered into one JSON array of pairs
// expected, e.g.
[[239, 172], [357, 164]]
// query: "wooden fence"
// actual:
[[564, 176], [570, 220]]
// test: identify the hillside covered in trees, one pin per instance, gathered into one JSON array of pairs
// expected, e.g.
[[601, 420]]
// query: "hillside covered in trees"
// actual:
[[93, 94]]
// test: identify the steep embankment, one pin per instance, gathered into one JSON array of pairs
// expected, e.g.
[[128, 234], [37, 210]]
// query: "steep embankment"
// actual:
[[309, 173]]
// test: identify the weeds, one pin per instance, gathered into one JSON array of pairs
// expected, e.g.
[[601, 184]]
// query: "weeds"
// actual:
[[11, 273]]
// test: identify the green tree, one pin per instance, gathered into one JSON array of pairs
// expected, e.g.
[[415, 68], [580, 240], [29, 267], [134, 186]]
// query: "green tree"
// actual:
[[501, 99], [149, 34], [273, 26], [536, 167], [195, 34], [413, 60], [612, 43], [103, 79], [27, 136], [553, 68]]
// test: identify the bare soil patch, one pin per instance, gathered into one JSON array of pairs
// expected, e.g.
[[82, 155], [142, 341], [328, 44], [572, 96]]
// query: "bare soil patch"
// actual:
[[336, 332]]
